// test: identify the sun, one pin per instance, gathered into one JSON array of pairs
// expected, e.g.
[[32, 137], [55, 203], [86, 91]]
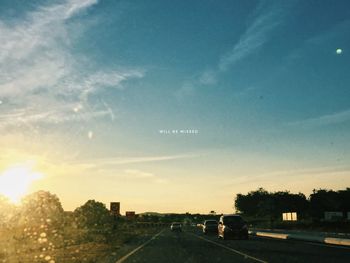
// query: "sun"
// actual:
[[15, 181]]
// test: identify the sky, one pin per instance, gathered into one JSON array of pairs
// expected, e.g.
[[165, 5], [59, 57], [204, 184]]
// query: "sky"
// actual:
[[173, 106]]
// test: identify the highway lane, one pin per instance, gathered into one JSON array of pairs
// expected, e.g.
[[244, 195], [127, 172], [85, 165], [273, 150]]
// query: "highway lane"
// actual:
[[192, 246]]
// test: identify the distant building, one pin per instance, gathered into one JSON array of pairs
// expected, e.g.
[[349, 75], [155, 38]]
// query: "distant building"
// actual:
[[115, 208], [130, 214]]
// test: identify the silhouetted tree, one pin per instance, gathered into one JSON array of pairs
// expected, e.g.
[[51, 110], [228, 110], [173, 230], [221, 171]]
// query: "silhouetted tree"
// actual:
[[344, 199], [41, 209], [323, 200], [288, 202], [249, 204], [40, 223], [7, 211], [94, 218], [264, 203]]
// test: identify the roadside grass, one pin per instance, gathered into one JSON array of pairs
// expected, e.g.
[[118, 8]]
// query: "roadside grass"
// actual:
[[69, 244]]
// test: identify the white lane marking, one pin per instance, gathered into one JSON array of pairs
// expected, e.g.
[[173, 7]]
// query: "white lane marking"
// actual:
[[138, 248], [231, 249]]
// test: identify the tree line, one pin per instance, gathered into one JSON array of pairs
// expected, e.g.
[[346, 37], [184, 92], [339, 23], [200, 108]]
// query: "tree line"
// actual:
[[261, 203], [40, 227]]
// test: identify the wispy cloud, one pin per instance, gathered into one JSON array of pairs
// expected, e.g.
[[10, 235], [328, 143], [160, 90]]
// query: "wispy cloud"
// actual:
[[267, 18], [38, 66], [138, 173], [54, 116], [263, 21], [300, 175], [104, 162], [325, 41], [135, 176], [330, 34], [328, 119], [141, 175]]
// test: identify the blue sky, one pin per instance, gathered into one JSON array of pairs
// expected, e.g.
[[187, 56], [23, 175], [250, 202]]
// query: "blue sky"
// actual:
[[86, 86]]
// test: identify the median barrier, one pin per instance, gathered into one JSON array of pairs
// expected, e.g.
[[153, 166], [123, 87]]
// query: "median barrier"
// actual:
[[337, 241], [302, 237]]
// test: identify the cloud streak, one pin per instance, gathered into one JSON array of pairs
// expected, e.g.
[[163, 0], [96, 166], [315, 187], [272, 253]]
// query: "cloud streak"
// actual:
[[263, 21], [141, 175], [41, 77], [256, 35], [138, 173], [96, 163], [301, 174], [324, 120]]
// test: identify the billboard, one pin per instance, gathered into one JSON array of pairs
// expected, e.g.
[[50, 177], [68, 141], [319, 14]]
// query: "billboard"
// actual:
[[290, 216], [115, 208]]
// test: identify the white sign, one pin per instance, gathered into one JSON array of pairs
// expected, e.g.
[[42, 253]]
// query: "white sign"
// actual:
[[329, 216], [290, 216]]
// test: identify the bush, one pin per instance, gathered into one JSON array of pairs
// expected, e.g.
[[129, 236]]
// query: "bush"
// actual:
[[94, 218]]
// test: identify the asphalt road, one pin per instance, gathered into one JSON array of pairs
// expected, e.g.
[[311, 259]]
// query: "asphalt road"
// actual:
[[193, 246]]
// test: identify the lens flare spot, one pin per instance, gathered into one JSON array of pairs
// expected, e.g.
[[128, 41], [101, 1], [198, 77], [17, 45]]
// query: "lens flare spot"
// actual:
[[16, 180], [90, 135]]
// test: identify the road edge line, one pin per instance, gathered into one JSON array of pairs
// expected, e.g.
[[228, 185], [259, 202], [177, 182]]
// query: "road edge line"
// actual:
[[122, 259]]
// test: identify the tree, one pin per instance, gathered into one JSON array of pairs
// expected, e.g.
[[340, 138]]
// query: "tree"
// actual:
[[344, 199], [264, 203], [41, 209], [7, 211], [250, 204], [287, 202], [94, 218], [323, 200], [40, 222]]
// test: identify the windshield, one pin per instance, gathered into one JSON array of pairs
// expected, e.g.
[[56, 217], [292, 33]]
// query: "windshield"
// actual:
[[129, 129], [213, 222]]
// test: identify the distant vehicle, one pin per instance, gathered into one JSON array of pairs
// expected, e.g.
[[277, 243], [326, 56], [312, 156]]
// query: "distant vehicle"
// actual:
[[232, 226], [176, 226], [210, 226]]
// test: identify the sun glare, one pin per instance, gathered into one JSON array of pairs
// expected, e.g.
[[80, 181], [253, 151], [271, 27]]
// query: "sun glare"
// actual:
[[15, 181]]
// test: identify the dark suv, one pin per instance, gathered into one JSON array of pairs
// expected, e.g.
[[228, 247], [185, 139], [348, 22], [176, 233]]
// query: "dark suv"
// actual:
[[232, 226], [175, 226], [210, 226]]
